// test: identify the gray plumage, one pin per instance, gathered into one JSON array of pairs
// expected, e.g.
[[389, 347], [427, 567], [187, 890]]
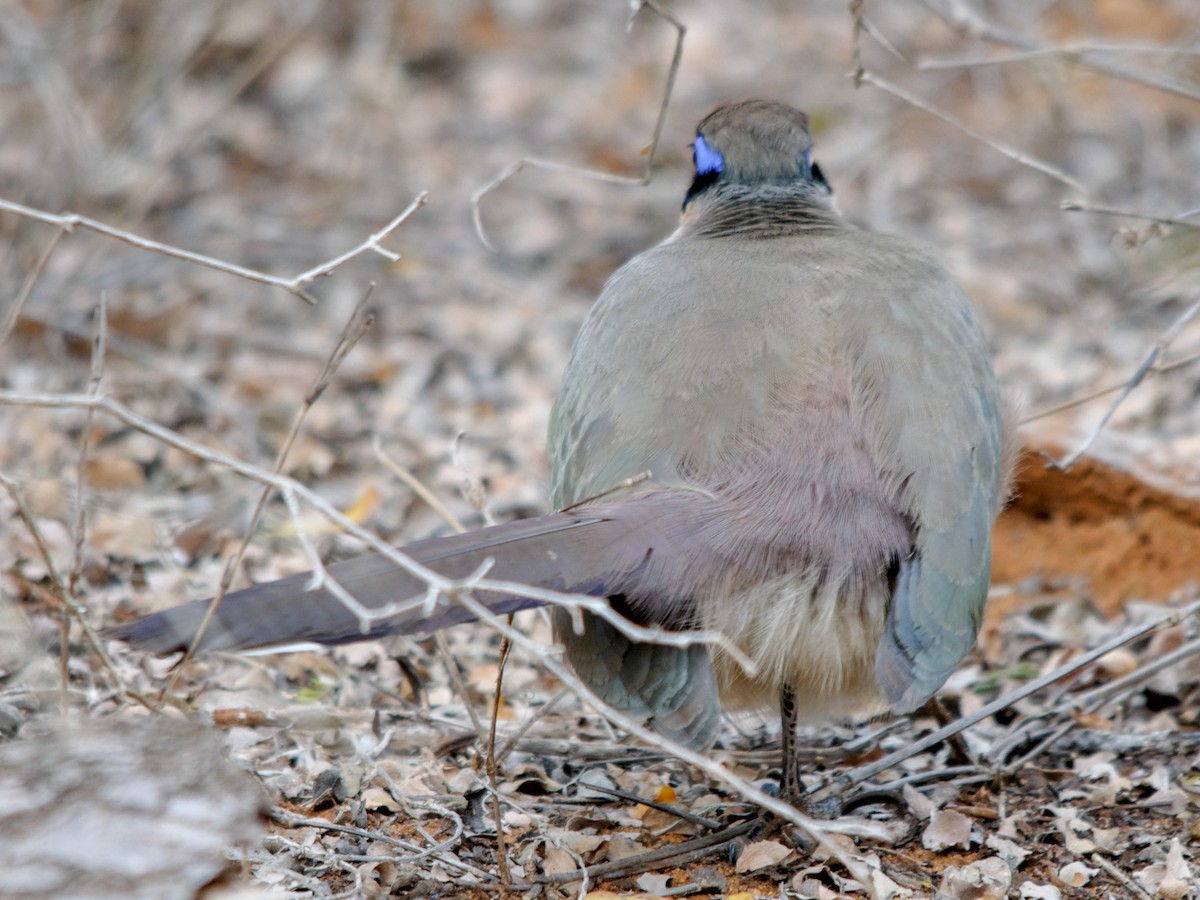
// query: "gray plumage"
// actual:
[[817, 409]]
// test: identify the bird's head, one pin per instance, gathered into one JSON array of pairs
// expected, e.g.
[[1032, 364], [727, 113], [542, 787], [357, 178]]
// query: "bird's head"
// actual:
[[751, 144]]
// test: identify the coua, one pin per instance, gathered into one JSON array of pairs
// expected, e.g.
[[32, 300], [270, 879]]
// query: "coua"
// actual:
[[816, 409]]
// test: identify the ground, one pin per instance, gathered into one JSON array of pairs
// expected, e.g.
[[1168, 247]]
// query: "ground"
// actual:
[[1047, 150]]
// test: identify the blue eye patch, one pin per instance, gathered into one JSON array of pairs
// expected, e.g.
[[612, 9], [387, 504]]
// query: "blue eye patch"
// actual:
[[708, 160]]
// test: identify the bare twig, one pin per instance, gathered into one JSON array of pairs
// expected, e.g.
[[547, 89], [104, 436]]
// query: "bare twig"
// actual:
[[371, 243], [516, 738], [65, 592], [615, 489], [1121, 878], [1071, 49], [98, 355], [1111, 389], [291, 820], [1180, 220], [70, 605], [68, 222], [14, 312], [596, 175], [490, 762], [415, 484], [576, 603], [356, 326], [471, 485], [450, 661], [682, 814], [439, 639], [671, 855], [1101, 696], [862, 773], [969, 21], [1013, 153], [1138, 376]]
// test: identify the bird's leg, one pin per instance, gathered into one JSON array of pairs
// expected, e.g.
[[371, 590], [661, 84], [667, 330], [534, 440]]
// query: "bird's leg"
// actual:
[[791, 789], [827, 803]]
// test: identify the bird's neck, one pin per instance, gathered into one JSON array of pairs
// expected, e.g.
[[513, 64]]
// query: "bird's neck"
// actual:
[[764, 211]]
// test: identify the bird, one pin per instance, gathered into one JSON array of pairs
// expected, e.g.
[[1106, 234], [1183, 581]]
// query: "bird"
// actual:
[[775, 425]]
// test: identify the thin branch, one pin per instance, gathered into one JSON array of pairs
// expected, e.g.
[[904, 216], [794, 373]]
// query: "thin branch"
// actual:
[[968, 21], [490, 766], [443, 646], [1073, 49], [60, 592], [14, 312], [1013, 153], [601, 607], [68, 222], [471, 485], [682, 814], [515, 738], [450, 661], [96, 374], [415, 485], [624, 485], [1113, 388], [1136, 379], [371, 243], [1099, 697], [594, 174], [862, 773], [1121, 878], [291, 820], [672, 855], [356, 326], [1075, 206]]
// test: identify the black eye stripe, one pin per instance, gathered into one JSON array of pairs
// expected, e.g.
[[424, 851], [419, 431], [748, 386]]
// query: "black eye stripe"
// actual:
[[700, 184]]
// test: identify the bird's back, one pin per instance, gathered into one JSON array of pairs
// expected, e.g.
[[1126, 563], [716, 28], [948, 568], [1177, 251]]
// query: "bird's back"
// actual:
[[828, 391]]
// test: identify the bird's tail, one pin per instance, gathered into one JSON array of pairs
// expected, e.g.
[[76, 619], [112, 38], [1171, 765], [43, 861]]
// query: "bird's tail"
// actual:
[[554, 551]]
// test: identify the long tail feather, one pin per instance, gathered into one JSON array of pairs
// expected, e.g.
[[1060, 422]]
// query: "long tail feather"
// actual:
[[544, 552]]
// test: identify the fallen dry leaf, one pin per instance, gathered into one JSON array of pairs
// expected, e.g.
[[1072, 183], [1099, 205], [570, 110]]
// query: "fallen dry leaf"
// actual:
[[947, 828], [761, 855]]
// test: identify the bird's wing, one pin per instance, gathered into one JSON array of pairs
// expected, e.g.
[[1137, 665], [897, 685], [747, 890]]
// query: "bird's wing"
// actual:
[[940, 437]]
